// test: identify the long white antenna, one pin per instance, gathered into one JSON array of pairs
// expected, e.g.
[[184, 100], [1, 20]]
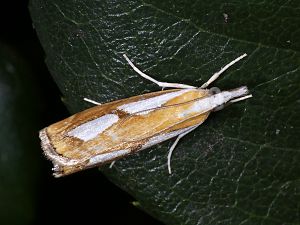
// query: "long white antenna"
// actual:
[[217, 74]]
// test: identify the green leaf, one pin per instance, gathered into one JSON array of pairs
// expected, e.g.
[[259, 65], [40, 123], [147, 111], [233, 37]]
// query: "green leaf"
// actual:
[[242, 165], [18, 158]]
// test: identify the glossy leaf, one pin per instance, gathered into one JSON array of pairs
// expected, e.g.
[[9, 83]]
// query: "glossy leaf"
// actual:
[[242, 165]]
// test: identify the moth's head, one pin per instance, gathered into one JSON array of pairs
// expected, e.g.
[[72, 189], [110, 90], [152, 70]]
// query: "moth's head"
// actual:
[[234, 95]]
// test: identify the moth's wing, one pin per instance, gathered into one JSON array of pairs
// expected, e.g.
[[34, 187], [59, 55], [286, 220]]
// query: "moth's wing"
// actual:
[[118, 128]]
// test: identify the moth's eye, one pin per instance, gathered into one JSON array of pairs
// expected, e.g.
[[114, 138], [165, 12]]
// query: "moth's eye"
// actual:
[[214, 90]]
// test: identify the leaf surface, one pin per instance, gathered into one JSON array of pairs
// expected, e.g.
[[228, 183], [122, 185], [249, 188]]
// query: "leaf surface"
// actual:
[[242, 165]]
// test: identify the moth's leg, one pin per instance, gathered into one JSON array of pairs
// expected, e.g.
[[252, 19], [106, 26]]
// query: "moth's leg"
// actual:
[[112, 164], [175, 143], [91, 101], [217, 74], [161, 84]]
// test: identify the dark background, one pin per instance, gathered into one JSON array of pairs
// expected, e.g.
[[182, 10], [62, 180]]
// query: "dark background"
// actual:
[[86, 196]]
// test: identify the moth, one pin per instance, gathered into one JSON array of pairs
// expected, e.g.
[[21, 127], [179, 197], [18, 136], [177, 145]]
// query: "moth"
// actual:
[[107, 132]]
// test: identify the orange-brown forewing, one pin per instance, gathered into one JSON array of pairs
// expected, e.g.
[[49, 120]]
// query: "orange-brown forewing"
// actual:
[[72, 142]]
